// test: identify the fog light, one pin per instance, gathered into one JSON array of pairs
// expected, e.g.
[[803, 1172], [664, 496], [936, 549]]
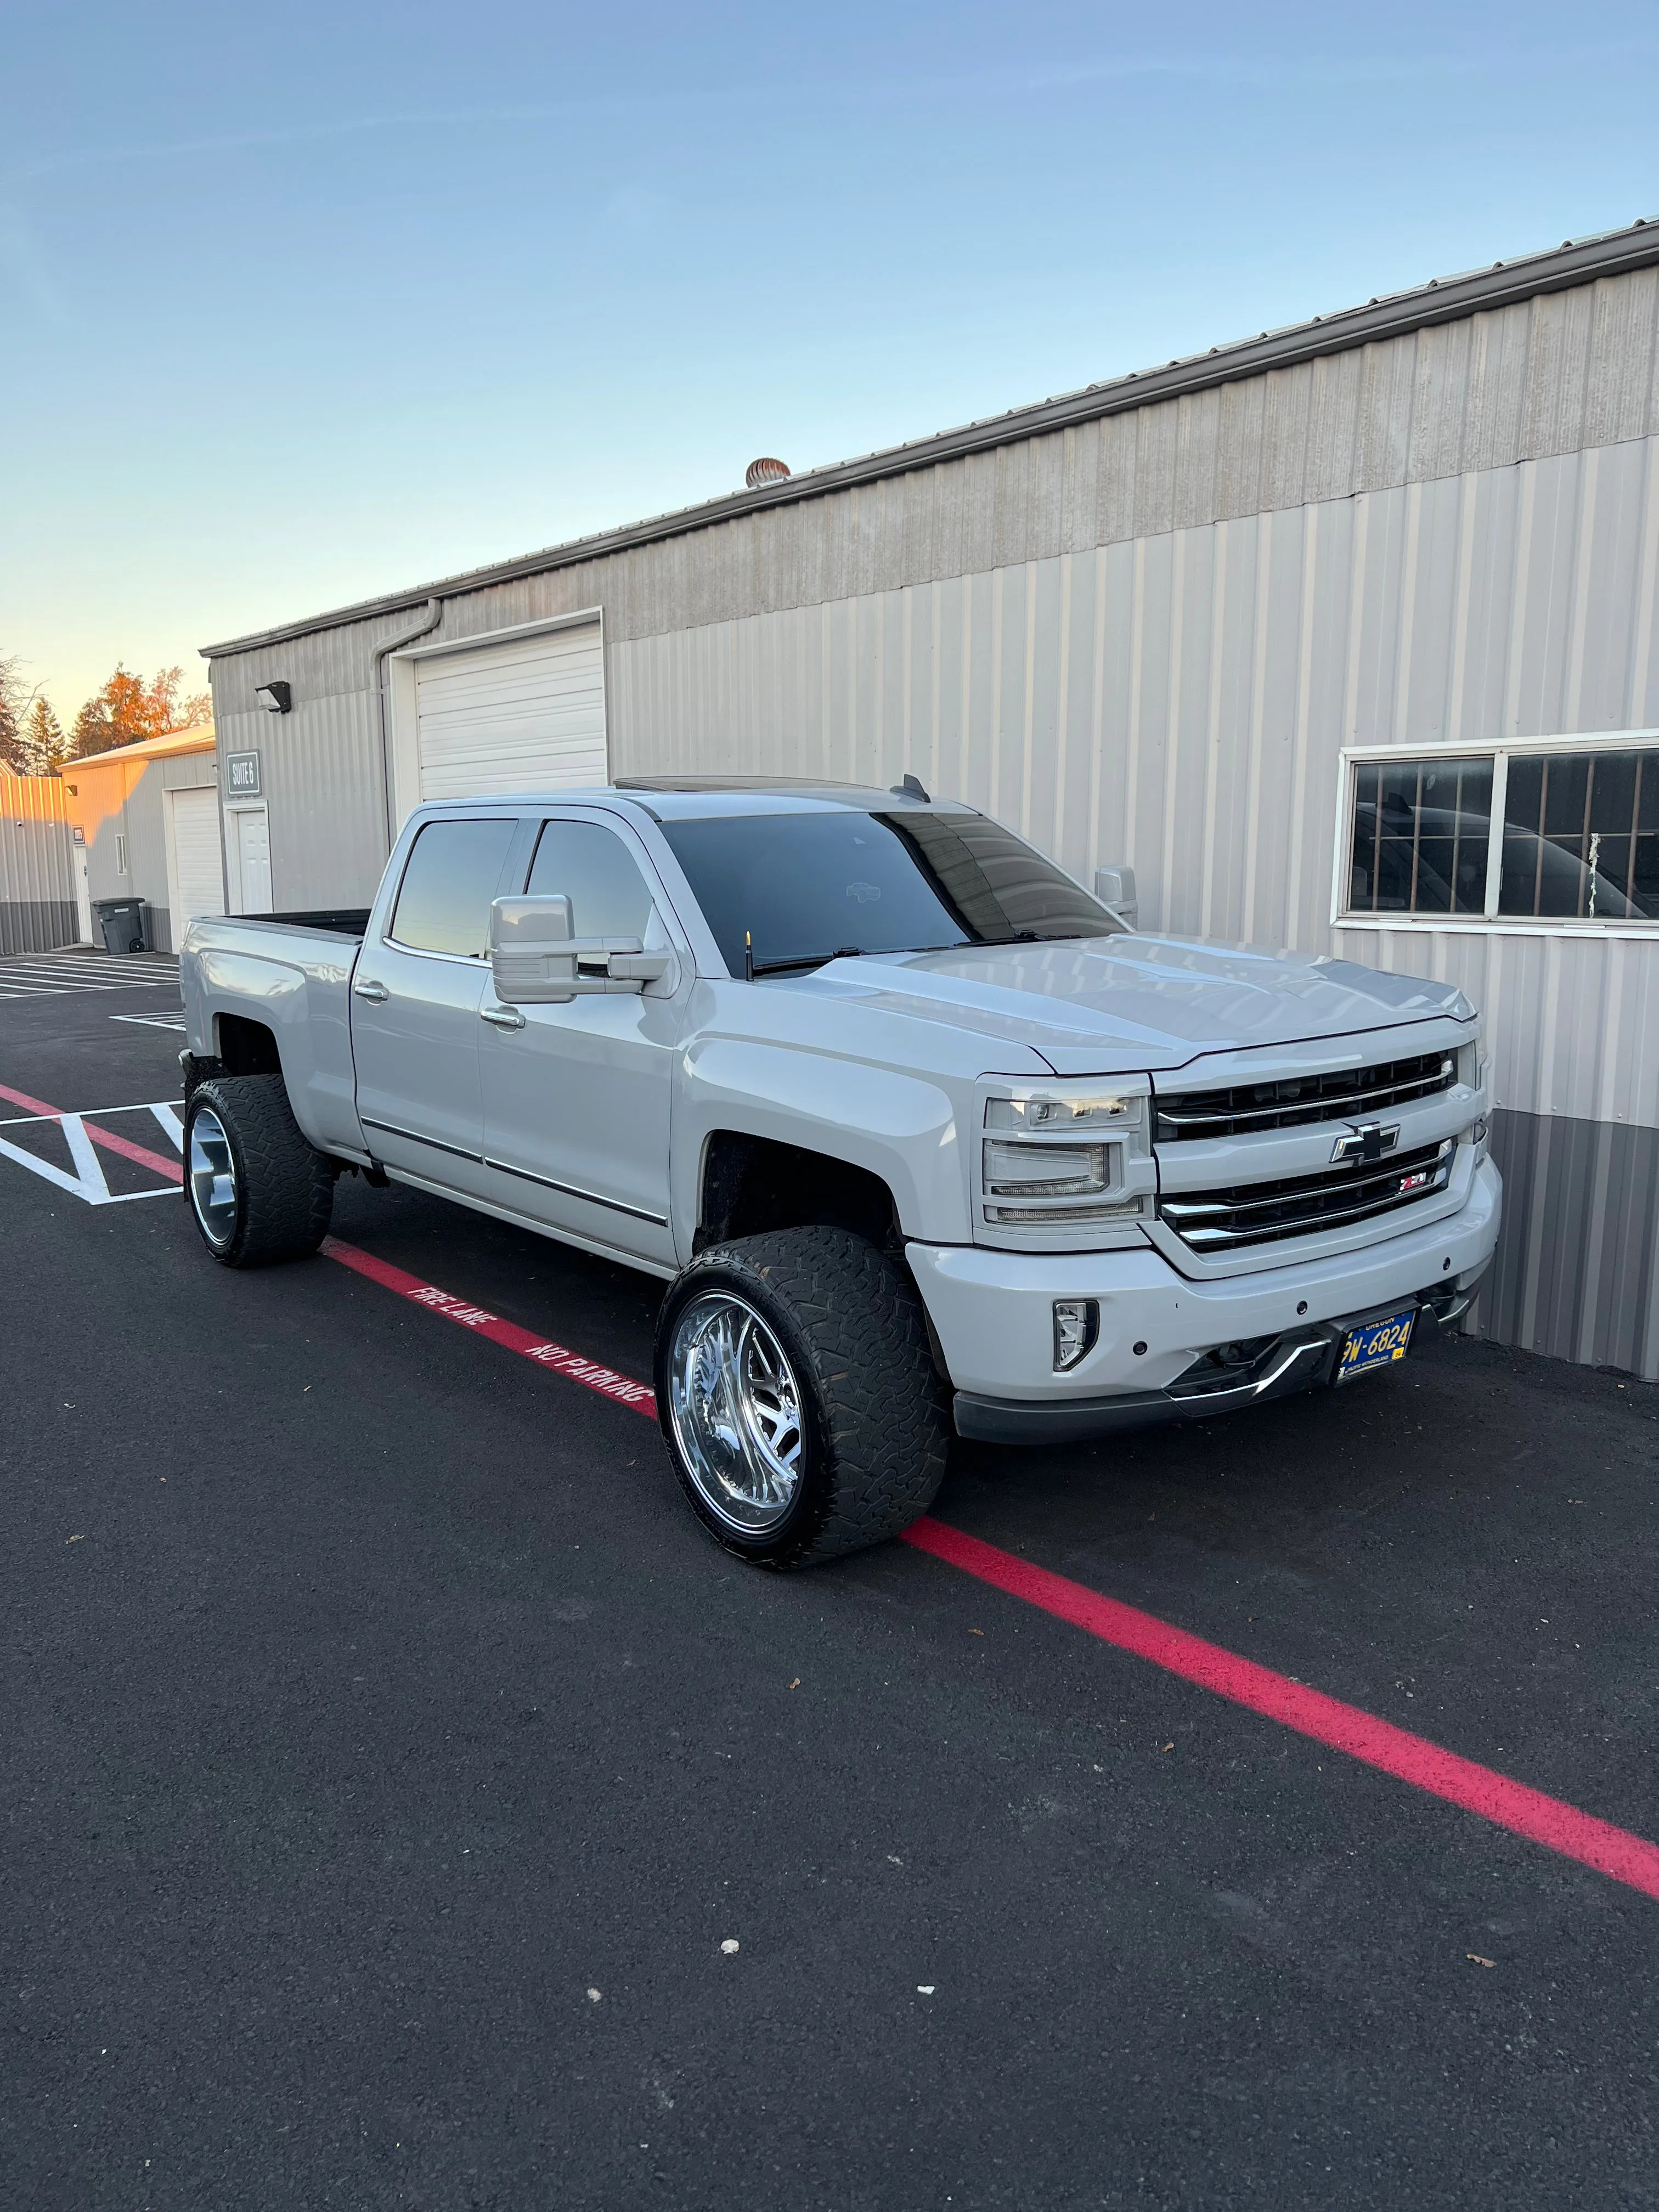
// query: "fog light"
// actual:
[[1076, 1331]]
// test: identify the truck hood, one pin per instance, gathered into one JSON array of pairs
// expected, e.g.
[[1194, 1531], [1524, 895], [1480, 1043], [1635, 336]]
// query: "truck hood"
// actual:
[[1114, 1004]]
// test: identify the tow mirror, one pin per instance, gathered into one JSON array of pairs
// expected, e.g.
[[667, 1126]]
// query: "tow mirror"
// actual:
[[537, 962]]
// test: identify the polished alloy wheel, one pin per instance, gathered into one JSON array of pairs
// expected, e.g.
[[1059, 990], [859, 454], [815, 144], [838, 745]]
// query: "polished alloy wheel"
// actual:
[[212, 1178], [736, 1409]]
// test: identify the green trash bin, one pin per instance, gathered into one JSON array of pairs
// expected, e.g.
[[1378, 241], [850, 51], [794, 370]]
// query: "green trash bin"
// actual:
[[121, 923]]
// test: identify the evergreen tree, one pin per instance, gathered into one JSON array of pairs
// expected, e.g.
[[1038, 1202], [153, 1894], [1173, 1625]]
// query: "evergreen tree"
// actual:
[[11, 717], [42, 740]]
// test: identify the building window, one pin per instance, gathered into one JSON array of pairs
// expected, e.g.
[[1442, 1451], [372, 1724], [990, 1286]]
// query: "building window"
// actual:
[[120, 854], [1561, 831]]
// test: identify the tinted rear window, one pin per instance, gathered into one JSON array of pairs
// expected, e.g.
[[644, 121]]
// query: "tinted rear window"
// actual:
[[806, 886]]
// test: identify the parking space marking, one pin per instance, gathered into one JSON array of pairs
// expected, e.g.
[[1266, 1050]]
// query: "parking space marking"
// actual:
[[174, 1022], [50, 975], [1561, 1827], [88, 1133]]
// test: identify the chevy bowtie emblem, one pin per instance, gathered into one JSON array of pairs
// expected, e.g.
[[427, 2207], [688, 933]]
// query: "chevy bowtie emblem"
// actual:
[[1369, 1140]]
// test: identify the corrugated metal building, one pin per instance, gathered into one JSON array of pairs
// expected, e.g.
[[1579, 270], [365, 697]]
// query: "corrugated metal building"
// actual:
[[37, 886], [1337, 637], [145, 819]]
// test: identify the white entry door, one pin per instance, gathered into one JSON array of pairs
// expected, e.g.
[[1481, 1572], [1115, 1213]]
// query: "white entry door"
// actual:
[[195, 869], [523, 714], [82, 889], [250, 829]]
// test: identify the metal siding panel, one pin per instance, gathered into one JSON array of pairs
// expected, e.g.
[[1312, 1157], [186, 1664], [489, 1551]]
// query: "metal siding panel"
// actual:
[[1621, 382], [1332, 468], [1197, 440], [1154, 469], [1286, 413], [37, 887], [1238, 457]]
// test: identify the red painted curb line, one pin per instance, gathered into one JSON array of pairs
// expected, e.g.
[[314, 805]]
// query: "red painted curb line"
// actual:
[[605, 1379], [1614, 1851]]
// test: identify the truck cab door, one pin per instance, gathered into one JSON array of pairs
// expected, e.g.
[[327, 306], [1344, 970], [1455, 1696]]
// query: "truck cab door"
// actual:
[[415, 998], [576, 1095]]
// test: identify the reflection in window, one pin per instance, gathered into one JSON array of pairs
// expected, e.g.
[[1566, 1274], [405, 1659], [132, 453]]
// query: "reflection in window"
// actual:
[[1581, 836], [443, 902], [591, 867], [1421, 831]]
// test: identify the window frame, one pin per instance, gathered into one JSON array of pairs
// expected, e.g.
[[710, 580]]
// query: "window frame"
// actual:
[[1500, 751]]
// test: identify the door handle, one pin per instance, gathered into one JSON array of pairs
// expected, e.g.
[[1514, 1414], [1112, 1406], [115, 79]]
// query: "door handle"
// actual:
[[377, 992], [501, 1018]]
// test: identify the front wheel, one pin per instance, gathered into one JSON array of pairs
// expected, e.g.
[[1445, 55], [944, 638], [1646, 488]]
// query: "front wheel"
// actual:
[[799, 1397], [256, 1191]]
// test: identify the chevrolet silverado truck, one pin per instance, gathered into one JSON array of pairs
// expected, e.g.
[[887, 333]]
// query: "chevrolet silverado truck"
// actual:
[[920, 1135]]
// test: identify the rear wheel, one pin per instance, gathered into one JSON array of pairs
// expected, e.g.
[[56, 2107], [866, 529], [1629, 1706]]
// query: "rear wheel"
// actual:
[[798, 1396], [256, 1191]]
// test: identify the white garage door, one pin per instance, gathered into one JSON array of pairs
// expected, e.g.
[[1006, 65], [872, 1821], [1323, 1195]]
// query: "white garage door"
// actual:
[[525, 714], [197, 886]]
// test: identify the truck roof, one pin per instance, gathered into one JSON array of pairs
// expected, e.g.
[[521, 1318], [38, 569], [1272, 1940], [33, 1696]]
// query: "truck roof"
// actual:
[[684, 797]]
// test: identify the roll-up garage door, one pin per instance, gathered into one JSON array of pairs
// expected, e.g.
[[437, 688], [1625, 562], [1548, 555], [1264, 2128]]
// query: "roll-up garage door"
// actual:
[[199, 875], [524, 715]]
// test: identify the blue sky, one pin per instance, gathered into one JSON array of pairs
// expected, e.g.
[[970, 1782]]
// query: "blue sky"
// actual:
[[301, 305]]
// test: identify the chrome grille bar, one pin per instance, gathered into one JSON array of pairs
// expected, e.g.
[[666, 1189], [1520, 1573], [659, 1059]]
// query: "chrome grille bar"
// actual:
[[1349, 1095], [1263, 1212]]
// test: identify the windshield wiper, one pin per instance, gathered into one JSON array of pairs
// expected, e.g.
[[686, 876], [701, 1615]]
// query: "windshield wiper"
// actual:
[[751, 967]]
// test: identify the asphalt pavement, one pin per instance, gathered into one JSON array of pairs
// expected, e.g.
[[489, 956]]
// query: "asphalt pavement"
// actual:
[[390, 1763]]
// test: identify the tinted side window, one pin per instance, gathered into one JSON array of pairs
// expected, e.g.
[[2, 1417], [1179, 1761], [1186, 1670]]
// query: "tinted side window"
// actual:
[[1581, 836], [595, 871], [1420, 834], [454, 872]]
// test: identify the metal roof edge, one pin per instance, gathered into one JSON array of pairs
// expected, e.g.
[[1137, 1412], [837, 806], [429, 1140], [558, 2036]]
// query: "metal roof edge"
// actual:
[[1442, 300], [200, 737]]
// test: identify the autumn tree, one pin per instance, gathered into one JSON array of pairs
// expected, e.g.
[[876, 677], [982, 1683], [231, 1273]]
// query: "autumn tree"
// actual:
[[128, 710], [42, 740]]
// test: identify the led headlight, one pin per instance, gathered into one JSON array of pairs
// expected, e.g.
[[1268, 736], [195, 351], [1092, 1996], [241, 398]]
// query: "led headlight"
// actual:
[[1044, 1171], [1040, 1113]]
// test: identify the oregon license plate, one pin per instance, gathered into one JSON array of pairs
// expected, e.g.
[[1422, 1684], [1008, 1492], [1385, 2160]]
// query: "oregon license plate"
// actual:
[[1376, 1344]]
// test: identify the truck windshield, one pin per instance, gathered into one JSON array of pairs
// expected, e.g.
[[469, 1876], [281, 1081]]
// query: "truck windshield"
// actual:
[[801, 888]]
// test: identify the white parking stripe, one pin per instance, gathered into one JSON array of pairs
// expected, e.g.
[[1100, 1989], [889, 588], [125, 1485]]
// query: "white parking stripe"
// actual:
[[88, 1182], [172, 1127]]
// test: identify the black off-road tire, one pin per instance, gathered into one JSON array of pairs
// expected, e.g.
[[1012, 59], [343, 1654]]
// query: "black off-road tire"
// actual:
[[284, 1191], [877, 1422]]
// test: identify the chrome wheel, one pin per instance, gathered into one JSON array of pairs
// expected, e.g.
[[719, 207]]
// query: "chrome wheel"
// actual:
[[212, 1178], [736, 1410]]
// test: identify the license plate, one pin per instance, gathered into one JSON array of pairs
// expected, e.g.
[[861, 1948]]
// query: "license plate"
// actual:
[[1376, 1344]]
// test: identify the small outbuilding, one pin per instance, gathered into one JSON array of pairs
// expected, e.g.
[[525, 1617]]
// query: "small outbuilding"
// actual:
[[143, 823]]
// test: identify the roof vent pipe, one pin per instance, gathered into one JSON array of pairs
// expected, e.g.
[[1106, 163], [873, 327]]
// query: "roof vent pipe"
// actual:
[[429, 622]]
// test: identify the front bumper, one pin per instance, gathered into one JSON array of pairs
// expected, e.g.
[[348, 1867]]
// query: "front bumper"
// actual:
[[992, 1315]]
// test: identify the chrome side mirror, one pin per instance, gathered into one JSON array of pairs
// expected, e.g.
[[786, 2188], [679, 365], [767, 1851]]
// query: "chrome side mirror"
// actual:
[[537, 962]]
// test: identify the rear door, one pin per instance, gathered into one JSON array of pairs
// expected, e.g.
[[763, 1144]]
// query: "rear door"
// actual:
[[415, 995], [576, 1096]]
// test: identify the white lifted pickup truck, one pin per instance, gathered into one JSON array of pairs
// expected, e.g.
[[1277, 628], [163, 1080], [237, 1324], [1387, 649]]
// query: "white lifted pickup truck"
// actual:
[[920, 1134]]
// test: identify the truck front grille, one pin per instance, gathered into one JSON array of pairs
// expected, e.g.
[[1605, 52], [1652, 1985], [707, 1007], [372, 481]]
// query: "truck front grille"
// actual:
[[1351, 1095], [1263, 1212]]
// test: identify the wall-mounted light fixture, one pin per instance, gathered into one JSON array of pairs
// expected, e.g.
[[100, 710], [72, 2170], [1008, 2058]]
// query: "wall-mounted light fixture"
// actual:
[[275, 698]]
